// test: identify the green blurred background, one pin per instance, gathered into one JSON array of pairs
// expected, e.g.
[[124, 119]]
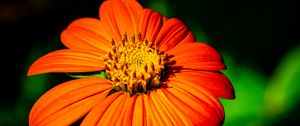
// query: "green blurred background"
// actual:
[[258, 39]]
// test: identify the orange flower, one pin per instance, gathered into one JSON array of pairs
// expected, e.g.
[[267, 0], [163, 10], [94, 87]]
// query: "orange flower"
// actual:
[[155, 74]]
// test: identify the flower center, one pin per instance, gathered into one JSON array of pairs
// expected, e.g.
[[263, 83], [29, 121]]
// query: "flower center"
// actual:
[[134, 66]]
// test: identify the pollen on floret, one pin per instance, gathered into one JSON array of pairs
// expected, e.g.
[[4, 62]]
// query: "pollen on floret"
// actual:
[[133, 65]]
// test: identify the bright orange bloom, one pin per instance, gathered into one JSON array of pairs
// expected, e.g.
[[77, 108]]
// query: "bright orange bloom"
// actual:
[[155, 74]]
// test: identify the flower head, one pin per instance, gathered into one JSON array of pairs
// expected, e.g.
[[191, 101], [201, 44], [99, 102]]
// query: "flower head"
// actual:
[[154, 72]]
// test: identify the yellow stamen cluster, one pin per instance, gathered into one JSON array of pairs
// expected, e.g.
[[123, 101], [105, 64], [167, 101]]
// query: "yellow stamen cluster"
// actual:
[[134, 66]]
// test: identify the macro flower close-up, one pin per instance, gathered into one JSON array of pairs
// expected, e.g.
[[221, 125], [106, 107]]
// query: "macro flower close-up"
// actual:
[[132, 66]]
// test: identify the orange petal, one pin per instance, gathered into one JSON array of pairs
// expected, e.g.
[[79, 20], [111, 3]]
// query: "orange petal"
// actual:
[[199, 109], [172, 33], [93, 25], [59, 101], [177, 116], [120, 16], [74, 112], [96, 114], [67, 60], [149, 115], [163, 114], [215, 82], [158, 118], [125, 118], [192, 66], [196, 56], [178, 108], [210, 102], [149, 24], [113, 112], [139, 117], [81, 37]]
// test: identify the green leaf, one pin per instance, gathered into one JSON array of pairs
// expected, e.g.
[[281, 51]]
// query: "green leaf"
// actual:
[[100, 74], [282, 94]]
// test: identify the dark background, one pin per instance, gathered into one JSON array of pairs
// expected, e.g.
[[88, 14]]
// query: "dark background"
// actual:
[[256, 32]]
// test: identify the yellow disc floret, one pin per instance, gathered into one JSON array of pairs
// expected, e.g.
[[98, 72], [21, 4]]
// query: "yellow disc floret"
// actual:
[[134, 66]]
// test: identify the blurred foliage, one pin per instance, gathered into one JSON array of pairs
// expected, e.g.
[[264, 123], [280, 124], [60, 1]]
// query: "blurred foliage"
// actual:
[[262, 100], [265, 80], [249, 85], [160, 6], [31, 88], [282, 94]]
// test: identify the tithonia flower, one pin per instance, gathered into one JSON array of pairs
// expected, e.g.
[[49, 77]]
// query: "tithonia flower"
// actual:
[[150, 72]]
